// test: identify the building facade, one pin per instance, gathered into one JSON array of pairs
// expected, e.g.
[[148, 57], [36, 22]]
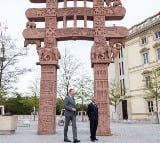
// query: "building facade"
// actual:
[[140, 55]]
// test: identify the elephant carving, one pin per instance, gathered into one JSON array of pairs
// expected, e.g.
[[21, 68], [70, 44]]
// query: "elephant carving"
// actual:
[[30, 24], [98, 53], [48, 54], [115, 3]]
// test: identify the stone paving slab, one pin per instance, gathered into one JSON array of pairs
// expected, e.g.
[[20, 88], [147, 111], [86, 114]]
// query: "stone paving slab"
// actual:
[[121, 133]]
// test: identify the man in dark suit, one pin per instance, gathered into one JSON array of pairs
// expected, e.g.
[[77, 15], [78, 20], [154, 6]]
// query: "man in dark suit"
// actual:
[[92, 112], [70, 115]]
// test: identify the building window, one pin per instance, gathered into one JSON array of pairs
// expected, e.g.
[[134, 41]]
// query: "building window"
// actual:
[[124, 87], [121, 51], [120, 69], [143, 41], [150, 106], [158, 53], [157, 35], [148, 81], [121, 86], [145, 58]]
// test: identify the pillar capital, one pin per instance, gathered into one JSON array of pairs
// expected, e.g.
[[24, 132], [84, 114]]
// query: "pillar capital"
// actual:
[[48, 56]]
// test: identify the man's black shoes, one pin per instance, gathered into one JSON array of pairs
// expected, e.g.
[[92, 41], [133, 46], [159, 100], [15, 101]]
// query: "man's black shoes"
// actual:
[[76, 141], [93, 140], [67, 140]]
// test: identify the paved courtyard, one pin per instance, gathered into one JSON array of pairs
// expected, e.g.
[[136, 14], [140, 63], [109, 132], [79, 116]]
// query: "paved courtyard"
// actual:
[[121, 133]]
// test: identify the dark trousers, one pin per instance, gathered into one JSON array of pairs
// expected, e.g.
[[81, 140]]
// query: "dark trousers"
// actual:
[[74, 127], [93, 128]]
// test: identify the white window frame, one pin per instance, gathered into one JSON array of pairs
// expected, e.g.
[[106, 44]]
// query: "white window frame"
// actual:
[[158, 53], [145, 59], [157, 35], [143, 41]]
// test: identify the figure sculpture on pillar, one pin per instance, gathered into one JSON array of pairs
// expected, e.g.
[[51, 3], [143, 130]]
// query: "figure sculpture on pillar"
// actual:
[[113, 3], [30, 24], [48, 54]]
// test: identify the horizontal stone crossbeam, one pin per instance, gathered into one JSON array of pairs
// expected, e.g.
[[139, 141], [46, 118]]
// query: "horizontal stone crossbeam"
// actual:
[[77, 33], [38, 14]]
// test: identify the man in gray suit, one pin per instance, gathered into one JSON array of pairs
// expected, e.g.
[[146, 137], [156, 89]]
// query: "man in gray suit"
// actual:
[[70, 115]]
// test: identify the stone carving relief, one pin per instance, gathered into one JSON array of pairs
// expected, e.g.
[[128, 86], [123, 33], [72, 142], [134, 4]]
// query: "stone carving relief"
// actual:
[[113, 3], [99, 31], [31, 24], [120, 41], [48, 54], [99, 39], [35, 12], [98, 2], [75, 32], [99, 11], [51, 22], [37, 42], [49, 42], [107, 52], [99, 21], [51, 3], [50, 32], [50, 12], [99, 53], [72, 11]]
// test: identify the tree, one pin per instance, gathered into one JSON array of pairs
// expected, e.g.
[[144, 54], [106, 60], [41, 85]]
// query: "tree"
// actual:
[[20, 104], [9, 68], [84, 90], [68, 73], [35, 92], [59, 106], [73, 75], [152, 88], [116, 94]]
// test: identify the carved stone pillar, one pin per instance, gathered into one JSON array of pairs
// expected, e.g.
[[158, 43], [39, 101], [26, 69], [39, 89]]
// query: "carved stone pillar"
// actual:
[[100, 60], [47, 102], [102, 98]]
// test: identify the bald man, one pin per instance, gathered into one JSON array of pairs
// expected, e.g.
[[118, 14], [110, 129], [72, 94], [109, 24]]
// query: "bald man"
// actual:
[[92, 112]]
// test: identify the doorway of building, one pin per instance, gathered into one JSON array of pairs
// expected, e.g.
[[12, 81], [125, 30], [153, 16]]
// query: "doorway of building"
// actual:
[[124, 110]]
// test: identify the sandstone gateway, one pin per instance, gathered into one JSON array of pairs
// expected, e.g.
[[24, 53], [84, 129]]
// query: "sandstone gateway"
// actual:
[[107, 43]]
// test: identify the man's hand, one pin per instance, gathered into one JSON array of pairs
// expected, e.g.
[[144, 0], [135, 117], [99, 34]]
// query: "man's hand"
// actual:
[[73, 109]]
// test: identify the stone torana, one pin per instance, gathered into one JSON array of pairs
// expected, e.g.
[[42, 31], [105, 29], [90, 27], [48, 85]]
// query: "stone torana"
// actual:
[[107, 42]]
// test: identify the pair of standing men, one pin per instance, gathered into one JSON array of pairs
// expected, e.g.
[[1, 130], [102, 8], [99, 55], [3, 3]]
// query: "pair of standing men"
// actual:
[[70, 115]]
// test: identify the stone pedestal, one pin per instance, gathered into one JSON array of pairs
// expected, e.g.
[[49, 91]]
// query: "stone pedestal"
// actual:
[[8, 124]]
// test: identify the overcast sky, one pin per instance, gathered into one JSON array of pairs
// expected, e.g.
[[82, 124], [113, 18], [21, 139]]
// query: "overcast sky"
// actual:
[[13, 13]]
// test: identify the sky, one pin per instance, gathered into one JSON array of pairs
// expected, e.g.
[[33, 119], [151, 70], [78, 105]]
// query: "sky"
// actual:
[[12, 13]]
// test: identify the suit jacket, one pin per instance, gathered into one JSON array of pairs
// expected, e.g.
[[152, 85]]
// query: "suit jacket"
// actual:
[[92, 111], [69, 103]]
